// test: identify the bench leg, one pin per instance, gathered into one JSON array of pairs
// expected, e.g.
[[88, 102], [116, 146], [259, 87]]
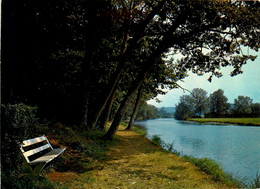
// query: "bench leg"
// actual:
[[38, 168]]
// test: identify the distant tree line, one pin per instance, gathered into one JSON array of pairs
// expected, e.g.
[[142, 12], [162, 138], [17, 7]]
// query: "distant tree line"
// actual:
[[198, 104], [146, 111]]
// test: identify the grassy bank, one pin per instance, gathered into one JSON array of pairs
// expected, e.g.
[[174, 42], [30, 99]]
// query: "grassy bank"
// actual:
[[130, 161], [238, 121]]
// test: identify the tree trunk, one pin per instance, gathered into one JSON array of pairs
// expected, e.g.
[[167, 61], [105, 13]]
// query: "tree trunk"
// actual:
[[120, 112], [126, 51], [112, 84], [106, 95], [134, 114], [150, 61], [106, 111], [90, 45]]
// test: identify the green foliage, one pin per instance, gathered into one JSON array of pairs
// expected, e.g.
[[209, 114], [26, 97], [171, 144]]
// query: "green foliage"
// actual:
[[156, 140], [147, 111], [256, 182], [87, 143], [218, 103], [211, 167], [201, 101], [185, 108], [163, 113], [256, 109], [242, 105], [140, 130], [117, 39], [195, 104], [19, 122]]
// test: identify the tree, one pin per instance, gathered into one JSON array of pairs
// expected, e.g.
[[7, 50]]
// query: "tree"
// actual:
[[218, 103], [129, 8], [210, 35], [185, 108], [255, 109], [163, 113], [135, 110], [110, 38], [242, 105], [147, 111], [195, 104], [201, 101]]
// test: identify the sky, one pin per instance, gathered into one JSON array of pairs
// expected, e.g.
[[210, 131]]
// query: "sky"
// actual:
[[245, 84]]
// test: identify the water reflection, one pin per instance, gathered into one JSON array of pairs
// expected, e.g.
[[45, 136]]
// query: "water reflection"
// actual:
[[196, 143]]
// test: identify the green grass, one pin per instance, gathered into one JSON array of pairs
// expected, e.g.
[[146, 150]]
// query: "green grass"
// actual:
[[135, 162], [140, 130], [239, 121], [214, 169], [206, 165]]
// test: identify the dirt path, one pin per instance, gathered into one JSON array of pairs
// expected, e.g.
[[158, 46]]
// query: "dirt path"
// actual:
[[136, 163]]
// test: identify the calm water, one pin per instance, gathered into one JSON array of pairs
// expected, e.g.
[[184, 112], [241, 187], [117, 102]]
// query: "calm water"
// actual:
[[236, 148]]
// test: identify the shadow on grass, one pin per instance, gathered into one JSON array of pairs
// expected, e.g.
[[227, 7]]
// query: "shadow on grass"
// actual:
[[177, 168]]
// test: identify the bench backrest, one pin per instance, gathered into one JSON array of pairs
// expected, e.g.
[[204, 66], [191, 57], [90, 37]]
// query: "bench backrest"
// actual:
[[34, 148]]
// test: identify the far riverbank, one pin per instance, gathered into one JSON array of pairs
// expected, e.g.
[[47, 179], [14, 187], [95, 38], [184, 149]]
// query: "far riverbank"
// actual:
[[237, 121]]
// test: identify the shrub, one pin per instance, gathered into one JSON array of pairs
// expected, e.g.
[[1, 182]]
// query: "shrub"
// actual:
[[140, 130], [18, 123], [256, 182], [156, 139]]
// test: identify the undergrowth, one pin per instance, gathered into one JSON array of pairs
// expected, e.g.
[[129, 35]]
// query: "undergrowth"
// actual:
[[156, 140], [256, 182], [19, 122], [140, 130]]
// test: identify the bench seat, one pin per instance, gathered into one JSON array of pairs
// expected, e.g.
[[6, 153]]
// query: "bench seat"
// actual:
[[49, 156], [38, 152]]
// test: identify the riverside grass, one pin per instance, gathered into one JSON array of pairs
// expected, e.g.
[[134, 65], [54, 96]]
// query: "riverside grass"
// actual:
[[131, 161], [238, 121]]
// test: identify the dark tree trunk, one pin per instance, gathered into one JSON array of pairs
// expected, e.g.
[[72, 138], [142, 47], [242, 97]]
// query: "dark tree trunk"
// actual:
[[124, 104], [150, 61], [134, 114], [103, 100], [162, 47], [126, 51], [106, 95], [90, 47], [106, 112]]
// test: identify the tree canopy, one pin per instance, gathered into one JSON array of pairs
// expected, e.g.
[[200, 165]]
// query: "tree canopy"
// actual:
[[218, 103], [69, 57], [243, 105]]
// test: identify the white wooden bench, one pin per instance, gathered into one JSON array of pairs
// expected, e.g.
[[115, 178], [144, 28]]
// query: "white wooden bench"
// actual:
[[38, 152]]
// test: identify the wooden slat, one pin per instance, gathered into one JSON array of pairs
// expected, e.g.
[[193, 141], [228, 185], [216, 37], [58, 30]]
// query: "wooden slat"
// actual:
[[49, 156], [36, 150], [33, 141]]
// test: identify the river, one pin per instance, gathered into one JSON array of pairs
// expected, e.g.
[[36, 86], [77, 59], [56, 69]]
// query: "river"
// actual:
[[236, 148]]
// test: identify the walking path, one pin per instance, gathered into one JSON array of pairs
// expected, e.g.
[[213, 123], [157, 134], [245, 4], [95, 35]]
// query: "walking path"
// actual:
[[135, 162]]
